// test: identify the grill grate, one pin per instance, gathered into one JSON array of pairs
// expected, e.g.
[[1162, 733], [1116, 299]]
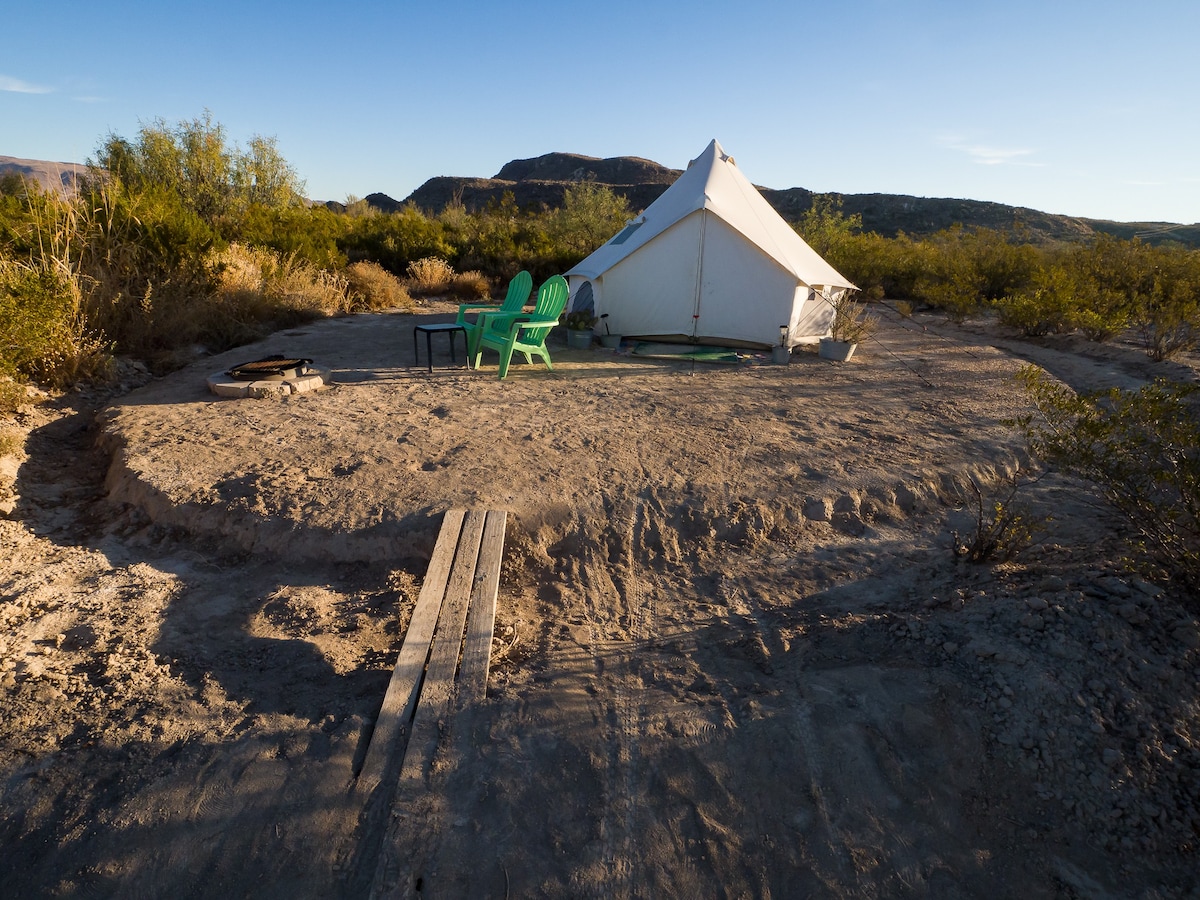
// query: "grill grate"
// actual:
[[270, 367]]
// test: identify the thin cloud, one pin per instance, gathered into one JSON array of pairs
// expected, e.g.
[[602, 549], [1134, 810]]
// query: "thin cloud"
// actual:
[[992, 156], [17, 86]]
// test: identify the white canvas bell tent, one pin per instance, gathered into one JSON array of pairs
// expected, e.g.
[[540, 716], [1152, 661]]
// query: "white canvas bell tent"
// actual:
[[710, 261]]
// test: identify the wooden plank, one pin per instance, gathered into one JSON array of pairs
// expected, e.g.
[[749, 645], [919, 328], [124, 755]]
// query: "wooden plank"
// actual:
[[438, 687], [401, 697], [481, 618]]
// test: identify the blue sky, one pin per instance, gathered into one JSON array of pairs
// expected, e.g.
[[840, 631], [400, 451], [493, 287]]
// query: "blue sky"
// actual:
[[1081, 108]]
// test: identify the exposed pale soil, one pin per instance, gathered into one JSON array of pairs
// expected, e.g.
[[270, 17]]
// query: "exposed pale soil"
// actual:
[[735, 654]]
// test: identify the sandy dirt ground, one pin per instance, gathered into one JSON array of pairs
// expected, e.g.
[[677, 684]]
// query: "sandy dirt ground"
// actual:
[[736, 654]]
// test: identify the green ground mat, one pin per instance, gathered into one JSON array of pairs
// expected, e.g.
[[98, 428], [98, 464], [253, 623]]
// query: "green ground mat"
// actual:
[[699, 352]]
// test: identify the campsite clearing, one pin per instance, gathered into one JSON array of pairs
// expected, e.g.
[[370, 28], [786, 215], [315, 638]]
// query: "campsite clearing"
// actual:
[[734, 652]]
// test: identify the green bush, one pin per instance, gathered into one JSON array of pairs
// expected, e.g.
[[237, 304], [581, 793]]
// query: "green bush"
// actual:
[[41, 332], [1046, 306], [1168, 315], [1142, 449]]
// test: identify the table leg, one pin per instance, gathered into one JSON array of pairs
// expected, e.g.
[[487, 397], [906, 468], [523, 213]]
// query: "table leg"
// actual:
[[429, 350]]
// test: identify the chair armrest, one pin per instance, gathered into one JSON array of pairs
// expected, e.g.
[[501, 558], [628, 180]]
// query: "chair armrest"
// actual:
[[537, 323]]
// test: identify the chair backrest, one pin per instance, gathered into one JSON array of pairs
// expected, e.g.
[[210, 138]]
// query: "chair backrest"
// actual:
[[551, 300], [518, 292]]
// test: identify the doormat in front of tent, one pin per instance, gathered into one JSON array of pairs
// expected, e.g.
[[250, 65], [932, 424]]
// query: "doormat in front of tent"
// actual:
[[697, 352]]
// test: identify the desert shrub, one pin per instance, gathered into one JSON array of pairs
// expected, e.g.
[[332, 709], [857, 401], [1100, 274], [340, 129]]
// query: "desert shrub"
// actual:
[[1142, 448], [10, 442], [470, 286], [851, 322], [12, 395], [950, 287], [1168, 315], [42, 332], [430, 275], [905, 308], [258, 290], [1003, 526], [1046, 306], [373, 287]]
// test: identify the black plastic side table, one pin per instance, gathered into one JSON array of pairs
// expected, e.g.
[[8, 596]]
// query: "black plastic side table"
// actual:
[[450, 328]]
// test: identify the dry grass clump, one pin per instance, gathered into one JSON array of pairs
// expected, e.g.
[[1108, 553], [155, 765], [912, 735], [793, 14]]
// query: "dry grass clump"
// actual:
[[257, 290], [10, 443], [373, 287], [429, 276], [471, 286]]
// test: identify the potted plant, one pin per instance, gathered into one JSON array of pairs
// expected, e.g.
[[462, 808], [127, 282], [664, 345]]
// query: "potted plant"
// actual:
[[850, 326], [579, 324]]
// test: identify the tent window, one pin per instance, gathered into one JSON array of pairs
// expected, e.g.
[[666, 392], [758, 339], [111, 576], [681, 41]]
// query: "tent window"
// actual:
[[624, 233]]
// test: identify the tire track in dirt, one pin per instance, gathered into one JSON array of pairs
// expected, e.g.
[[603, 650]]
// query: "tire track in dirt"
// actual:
[[622, 806]]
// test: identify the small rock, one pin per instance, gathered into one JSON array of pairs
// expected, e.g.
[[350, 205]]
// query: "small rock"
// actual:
[[1111, 757], [818, 509], [1037, 604], [950, 647]]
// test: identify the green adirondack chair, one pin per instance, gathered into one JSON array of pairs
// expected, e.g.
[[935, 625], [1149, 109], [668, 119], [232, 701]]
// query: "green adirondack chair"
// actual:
[[514, 302], [526, 333]]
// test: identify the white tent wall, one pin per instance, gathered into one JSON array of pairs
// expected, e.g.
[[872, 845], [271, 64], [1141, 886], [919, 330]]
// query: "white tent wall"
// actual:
[[745, 294], [655, 290]]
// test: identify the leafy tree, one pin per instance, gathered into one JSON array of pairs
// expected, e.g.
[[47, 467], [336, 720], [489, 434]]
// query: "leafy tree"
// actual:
[[193, 161], [591, 214]]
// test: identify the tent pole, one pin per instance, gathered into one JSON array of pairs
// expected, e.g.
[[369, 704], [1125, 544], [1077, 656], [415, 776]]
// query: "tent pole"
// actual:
[[699, 277]]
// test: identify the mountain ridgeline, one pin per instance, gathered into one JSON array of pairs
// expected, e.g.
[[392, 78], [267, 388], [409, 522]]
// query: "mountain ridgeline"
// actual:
[[543, 181]]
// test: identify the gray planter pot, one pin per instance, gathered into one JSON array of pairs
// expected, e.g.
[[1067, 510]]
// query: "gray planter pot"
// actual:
[[611, 341], [781, 356], [838, 351], [579, 340]]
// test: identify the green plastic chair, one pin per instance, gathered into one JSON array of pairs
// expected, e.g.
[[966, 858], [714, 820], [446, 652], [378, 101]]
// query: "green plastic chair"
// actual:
[[514, 303], [526, 333]]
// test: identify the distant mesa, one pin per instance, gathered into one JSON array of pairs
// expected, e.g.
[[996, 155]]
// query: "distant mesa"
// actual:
[[52, 176], [543, 181]]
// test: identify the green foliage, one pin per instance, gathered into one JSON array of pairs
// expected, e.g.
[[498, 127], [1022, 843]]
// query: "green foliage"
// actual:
[[1143, 451], [317, 235], [827, 229], [1168, 315], [578, 320], [965, 269], [502, 240], [37, 321], [193, 161], [1047, 305], [395, 240], [590, 215]]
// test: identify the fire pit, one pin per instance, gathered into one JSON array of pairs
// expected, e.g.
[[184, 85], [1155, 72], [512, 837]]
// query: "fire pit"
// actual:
[[269, 375]]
